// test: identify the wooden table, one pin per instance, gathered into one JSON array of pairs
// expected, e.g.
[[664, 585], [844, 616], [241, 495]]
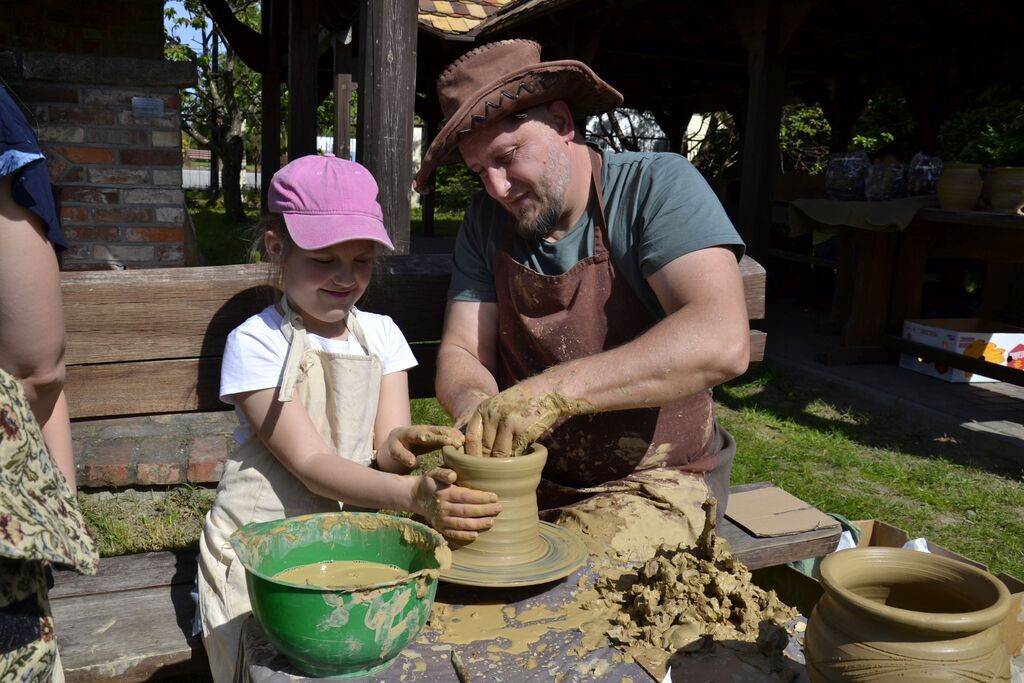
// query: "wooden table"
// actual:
[[868, 235], [881, 271], [995, 238], [550, 658], [134, 620]]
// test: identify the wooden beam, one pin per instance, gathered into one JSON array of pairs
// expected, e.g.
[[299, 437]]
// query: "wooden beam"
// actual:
[[429, 200], [303, 29], [274, 23], [765, 27], [344, 86], [387, 45]]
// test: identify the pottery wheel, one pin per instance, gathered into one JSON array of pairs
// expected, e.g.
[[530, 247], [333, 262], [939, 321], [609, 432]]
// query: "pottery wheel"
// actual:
[[564, 553]]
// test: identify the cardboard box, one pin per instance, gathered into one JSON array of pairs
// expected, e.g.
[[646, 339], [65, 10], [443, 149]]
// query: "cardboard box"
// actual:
[[801, 591], [973, 337]]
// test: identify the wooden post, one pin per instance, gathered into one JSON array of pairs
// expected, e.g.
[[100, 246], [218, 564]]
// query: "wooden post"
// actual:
[[343, 88], [429, 200], [765, 27], [273, 22], [387, 47], [303, 27], [214, 157]]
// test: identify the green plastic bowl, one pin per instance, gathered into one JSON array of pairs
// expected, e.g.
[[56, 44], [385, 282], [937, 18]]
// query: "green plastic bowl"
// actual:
[[341, 632]]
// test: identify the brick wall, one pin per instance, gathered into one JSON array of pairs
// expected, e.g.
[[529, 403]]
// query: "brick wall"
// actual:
[[117, 176], [111, 28]]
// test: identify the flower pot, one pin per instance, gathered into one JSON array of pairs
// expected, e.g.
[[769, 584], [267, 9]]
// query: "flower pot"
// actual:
[[959, 186], [1004, 189], [891, 614]]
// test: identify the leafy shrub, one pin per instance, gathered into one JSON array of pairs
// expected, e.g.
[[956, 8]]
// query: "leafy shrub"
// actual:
[[454, 185], [990, 133]]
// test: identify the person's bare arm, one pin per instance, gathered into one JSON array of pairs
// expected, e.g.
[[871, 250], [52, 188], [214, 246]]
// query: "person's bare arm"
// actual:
[[703, 341], [467, 359], [32, 323], [290, 435]]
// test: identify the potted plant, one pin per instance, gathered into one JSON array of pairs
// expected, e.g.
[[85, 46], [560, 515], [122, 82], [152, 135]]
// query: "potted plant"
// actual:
[[991, 136], [1004, 178]]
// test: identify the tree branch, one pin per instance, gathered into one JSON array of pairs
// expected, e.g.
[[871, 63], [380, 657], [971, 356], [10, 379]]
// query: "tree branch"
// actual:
[[247, 42]]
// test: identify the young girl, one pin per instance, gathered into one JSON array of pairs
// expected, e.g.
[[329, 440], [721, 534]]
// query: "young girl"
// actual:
[[321, 394]]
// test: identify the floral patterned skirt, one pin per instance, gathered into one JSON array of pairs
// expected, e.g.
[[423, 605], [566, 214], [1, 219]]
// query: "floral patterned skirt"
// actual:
[[40, 523], [28, 651]]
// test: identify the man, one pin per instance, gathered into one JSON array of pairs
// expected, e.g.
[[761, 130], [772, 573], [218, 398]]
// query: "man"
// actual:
[[595, 297]]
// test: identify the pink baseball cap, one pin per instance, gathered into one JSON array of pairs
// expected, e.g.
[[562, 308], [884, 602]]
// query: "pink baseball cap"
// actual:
[[326, 200]]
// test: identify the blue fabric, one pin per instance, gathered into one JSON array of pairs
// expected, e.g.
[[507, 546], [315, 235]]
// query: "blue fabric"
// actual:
[[21, 156]]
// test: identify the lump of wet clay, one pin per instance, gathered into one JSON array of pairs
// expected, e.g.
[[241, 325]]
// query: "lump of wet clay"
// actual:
[[685, 598]]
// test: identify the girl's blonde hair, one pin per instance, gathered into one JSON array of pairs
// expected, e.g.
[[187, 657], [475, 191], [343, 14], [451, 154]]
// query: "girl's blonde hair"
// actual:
[[271, 222]]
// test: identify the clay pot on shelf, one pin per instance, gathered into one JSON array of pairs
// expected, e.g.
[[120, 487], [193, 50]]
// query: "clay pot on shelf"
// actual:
[[959, 186], [892, 614], [1004, 189]]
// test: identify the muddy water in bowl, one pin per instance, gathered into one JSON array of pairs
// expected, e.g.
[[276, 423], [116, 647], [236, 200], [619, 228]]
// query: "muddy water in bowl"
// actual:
[[341, 574], [341, 630]]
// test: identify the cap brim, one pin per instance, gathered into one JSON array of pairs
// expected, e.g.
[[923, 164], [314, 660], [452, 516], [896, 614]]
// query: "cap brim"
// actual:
[[317, 231]]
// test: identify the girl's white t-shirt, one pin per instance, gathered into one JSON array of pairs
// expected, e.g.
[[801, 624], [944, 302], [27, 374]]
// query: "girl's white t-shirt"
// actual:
[[255, 353]]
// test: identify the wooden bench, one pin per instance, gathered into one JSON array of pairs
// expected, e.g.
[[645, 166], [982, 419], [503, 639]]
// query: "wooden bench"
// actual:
[[149, 342]]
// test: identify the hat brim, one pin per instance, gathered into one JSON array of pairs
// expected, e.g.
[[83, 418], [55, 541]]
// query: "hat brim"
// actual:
[[312, 231], [568, 80]]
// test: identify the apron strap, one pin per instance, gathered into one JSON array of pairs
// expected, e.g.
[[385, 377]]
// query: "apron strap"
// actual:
[[294, 332]]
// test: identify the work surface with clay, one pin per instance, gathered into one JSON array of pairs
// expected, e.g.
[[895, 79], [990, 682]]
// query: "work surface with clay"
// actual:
[[691, 608]]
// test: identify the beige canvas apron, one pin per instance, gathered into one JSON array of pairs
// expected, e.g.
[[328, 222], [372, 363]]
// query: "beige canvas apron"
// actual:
[[340, 393]]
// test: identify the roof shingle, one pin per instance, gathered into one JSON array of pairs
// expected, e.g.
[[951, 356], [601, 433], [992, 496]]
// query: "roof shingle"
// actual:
[[458, 16]]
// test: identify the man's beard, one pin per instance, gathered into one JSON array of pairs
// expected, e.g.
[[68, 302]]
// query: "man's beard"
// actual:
[[551, 196], [541, 226]]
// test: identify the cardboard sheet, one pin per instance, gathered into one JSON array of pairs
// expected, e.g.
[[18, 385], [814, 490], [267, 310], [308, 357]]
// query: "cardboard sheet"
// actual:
[[773, 512]]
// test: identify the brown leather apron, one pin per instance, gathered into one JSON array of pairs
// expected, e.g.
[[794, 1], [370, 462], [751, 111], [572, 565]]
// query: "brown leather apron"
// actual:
[[545, 320]]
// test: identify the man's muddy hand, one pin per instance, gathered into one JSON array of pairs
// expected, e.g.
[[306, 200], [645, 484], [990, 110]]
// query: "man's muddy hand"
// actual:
[[506, 424]]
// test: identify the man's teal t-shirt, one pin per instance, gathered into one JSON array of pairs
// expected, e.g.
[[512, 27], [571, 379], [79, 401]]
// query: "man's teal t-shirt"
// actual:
[[658, 207]]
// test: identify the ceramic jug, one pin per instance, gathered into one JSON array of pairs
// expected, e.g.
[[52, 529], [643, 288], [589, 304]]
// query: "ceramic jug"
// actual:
[[959, 186], [891, 614]]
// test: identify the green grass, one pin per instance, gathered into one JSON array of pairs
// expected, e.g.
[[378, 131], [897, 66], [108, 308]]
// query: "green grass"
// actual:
[[221, 242], [134, 522], [445, 224], [868, 464]]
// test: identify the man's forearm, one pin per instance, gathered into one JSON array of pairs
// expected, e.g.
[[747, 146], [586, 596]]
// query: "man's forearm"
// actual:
[[690, 351], [462, 381]]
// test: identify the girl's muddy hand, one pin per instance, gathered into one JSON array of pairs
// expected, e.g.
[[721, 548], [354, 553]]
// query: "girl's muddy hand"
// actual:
[[457, 512], [406, 444]]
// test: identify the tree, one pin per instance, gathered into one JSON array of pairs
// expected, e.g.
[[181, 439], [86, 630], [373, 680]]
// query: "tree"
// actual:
[[226, 98], [627, 130]]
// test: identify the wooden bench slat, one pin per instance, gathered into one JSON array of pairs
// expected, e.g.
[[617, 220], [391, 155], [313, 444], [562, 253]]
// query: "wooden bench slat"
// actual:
[[174, 386], [187, 312], [128, 636], [117, 316], [128, 572], [754, 280]]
